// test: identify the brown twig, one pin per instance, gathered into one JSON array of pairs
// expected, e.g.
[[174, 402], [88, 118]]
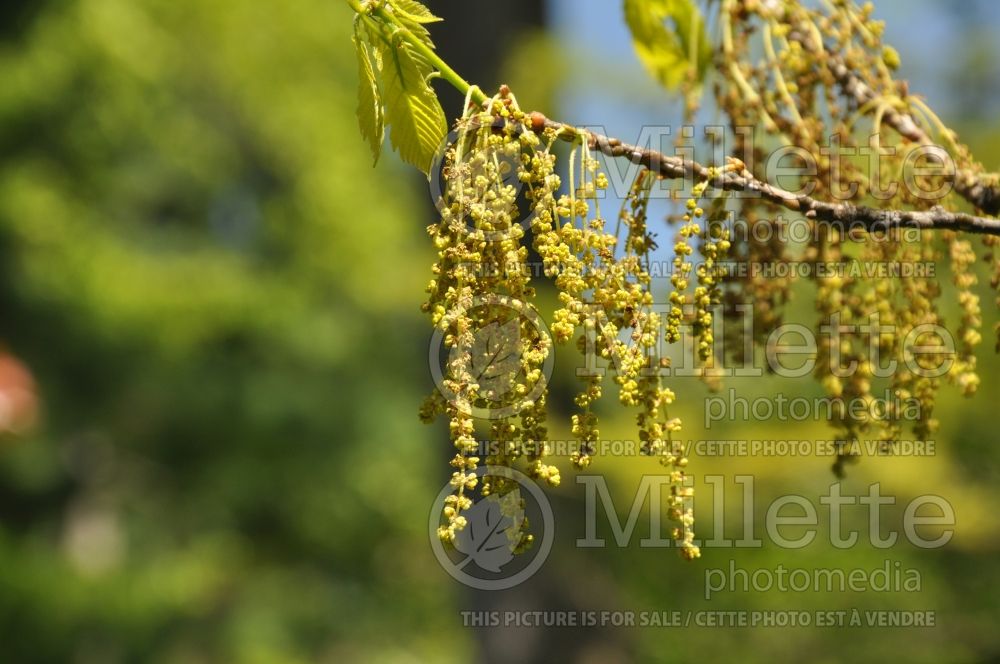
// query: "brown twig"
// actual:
[[978, 190], [843, 215]]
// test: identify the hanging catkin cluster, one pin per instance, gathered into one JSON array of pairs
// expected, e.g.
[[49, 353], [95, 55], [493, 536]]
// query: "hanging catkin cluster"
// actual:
[[825, 80], [501, 194], [809, 81]]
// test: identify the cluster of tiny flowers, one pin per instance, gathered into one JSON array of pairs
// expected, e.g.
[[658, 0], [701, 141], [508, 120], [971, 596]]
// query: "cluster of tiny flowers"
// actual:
[[680, 278], [808, 75], [605, 306], [823, 70], [622, 302], [963, 259], [480, 300], [708, 293], [991, 255]]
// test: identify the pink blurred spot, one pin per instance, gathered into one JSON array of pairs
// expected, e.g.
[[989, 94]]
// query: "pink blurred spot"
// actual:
[[18, 399]]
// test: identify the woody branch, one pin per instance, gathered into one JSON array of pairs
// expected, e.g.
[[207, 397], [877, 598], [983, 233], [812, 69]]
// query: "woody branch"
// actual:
[[981, 191], [843, 215]]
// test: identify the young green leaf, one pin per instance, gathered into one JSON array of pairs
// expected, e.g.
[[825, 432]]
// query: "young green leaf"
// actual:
[[417, 124], [663, 32], [414, 11], [412, 15], [376, 35], [370, 114]]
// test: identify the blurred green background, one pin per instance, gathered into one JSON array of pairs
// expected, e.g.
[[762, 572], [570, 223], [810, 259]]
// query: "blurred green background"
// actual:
[[211, 359]]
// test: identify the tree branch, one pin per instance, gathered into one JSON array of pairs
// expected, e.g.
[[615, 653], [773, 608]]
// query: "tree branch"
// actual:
[[982, 194], [973, 187], [842, 215]]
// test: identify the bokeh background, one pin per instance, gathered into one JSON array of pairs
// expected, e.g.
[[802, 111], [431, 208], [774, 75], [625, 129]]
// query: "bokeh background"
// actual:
[[211, 356]]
